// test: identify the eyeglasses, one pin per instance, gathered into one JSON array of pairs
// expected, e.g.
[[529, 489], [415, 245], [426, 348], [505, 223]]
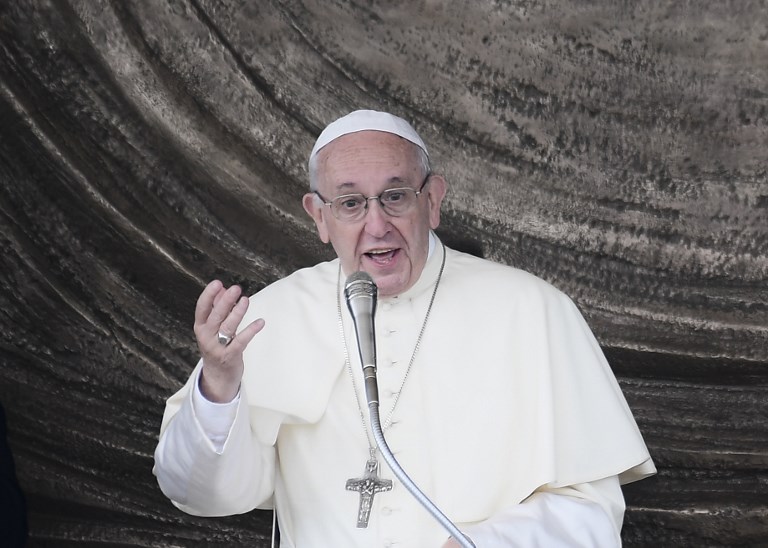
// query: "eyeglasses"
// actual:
[[394, 201]]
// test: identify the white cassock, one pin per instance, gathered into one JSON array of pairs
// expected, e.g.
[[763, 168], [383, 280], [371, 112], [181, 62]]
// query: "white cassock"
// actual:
[[509, 400]]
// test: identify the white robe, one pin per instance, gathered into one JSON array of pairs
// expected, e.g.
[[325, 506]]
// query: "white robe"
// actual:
[[509, 393]]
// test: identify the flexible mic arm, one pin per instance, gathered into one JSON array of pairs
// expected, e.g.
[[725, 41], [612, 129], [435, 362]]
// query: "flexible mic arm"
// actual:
[[361, 292]]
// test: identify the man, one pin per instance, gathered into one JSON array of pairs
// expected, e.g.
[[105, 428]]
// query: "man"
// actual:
[[495, 396]]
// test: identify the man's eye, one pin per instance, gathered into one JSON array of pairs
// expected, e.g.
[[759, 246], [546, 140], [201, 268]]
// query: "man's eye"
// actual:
[[394, 196], [350, 203]]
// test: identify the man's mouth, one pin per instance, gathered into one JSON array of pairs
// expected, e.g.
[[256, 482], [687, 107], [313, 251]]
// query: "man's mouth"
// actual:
[[381, 256]]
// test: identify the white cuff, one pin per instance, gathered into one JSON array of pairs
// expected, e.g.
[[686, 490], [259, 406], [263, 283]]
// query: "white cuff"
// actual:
[[216, 419]]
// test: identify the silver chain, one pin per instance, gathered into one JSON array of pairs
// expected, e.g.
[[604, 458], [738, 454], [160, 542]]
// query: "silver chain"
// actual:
[[388, 420]]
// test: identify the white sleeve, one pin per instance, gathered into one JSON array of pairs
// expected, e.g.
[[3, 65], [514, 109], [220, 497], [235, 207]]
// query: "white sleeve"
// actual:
[[587, 515], [216, 419], [211, 464]]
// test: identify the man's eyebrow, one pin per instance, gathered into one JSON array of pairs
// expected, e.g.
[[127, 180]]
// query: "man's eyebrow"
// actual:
[[346, 186], [392, 182]]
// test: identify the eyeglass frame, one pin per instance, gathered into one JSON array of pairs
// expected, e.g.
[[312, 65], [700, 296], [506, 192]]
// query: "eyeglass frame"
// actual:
[[329, 203]]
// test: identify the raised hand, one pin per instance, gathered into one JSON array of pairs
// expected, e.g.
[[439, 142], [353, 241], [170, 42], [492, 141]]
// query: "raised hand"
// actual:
[[218, 313]]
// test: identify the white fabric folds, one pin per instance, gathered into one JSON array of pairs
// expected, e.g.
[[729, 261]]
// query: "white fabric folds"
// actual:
[[486, 417]]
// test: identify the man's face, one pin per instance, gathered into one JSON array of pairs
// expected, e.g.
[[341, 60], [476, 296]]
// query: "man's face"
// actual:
[[393, 250]]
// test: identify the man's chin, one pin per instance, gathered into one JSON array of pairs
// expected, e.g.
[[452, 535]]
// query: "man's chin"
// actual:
[[390, 285]]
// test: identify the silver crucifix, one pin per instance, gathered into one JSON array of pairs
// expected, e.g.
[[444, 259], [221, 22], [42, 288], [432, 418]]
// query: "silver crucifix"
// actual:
[[368, 486]]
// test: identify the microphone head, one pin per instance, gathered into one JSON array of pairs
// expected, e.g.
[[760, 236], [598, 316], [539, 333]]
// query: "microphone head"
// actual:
[[360, 284], [360, 292]]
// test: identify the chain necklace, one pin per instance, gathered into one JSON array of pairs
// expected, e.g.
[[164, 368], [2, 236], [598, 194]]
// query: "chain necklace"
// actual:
[[370, 483]]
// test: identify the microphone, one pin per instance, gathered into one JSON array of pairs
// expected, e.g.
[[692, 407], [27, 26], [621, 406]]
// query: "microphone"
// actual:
[[360, 292]]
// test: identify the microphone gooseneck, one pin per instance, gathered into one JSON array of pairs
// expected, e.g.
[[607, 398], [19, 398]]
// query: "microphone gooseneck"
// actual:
[[361, 292]]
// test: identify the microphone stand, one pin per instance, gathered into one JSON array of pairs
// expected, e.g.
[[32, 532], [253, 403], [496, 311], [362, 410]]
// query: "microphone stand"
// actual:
[[386, 452]]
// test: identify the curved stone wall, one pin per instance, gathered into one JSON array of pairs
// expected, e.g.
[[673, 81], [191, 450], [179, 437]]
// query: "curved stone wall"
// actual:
[[616, 149]]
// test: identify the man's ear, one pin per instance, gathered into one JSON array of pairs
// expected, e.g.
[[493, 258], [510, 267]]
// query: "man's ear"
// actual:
[[316, 209], [436, 190]]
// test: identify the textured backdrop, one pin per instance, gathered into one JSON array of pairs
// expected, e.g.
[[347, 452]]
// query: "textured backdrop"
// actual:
[[616, 149]]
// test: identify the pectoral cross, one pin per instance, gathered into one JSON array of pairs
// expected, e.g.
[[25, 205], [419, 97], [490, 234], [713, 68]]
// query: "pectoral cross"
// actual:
[[368, 486]]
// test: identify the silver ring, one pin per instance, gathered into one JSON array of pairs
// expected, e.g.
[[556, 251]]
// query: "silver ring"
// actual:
[[225, 339]]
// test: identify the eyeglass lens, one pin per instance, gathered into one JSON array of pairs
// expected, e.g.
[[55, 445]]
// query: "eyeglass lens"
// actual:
[[394, 201]]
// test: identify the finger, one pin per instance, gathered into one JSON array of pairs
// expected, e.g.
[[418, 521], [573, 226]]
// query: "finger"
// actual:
[[224, 305], [206, 300], [229, 324], [246, 335], [219, 295]]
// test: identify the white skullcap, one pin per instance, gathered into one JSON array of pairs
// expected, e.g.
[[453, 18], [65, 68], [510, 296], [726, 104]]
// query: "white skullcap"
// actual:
[[363, 120]]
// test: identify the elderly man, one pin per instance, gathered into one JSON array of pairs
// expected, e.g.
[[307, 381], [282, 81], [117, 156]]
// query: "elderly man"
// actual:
[[495, 396]]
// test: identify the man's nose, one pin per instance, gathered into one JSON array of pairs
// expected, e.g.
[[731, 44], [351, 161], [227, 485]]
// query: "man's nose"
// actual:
[[376, 219]]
